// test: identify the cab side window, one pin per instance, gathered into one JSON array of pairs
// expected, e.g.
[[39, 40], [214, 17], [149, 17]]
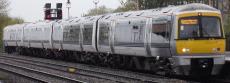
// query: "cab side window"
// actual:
[[161, 30]]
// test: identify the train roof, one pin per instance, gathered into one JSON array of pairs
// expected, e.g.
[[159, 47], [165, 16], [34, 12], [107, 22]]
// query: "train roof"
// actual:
[[170, 10], [148, 13], [14, 27], [162, 11]]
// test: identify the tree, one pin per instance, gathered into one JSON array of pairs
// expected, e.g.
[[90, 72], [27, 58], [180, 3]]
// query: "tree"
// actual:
[[3, 7], [227, 25], [5, 19], [126, 6], [98, 11], [122, 2]]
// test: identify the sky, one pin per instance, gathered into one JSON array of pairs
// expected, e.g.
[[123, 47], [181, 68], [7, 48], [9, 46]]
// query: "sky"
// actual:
[[33, 10]]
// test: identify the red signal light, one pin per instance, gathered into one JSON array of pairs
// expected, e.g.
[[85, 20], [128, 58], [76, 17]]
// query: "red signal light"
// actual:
[[47, 14], [59, 14]]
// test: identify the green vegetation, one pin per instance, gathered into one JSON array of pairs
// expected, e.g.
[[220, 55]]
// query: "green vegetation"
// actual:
[[125, 6], [149, 4], [5, 19], [129, 5], [98, 11], [227, 26]]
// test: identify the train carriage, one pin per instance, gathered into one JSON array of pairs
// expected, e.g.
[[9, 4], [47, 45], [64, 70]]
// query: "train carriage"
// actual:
[[13, 36], [187, 39], [167, 32], [38, 35]]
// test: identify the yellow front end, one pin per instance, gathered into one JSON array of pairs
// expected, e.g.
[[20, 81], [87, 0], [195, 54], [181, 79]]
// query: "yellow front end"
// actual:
[[208, 46], [198, 55], [200, 46]]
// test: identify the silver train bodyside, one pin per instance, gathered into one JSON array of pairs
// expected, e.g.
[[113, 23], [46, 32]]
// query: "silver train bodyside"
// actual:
[[146, 33]]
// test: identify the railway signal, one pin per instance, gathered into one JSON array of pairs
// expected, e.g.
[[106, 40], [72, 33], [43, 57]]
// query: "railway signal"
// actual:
[[53, 14], [59, 10], [47, 11]]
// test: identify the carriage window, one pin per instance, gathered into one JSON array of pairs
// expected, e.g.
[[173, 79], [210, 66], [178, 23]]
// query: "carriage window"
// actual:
[[71, 34], [87, 34], [75, 34], [160, 30], [104, 34], [160, 34]]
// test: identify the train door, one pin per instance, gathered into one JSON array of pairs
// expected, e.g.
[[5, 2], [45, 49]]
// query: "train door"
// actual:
[[103, 34], [129, 36], [136, 34], [22, 35], [106, 36], [160, 36]]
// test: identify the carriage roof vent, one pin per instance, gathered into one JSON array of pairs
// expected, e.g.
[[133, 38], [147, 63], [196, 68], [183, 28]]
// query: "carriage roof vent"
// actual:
[[158, 9], [59, 21], [155, 10], [128, 15], [78, 20], [140, 14], [87, 17], [71, 20], [119, 14], [167, 11], [91, 19], [108, 17]]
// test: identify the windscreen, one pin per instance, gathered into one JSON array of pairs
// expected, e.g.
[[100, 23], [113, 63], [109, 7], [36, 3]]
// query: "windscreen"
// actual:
[[199, 27]]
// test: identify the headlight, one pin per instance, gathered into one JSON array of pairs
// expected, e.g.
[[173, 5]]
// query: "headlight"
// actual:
[[185, 50], [215, 49]]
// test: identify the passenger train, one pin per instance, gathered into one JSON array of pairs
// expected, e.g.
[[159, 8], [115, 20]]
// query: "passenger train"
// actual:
[[184, 40]]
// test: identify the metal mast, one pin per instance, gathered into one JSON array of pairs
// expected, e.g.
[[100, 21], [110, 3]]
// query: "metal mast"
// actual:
[[96, 2], [68, 6]]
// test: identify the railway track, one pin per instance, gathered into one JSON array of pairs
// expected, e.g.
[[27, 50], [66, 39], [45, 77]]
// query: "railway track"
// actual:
[[76, 72], [34, 79], [36, 75]]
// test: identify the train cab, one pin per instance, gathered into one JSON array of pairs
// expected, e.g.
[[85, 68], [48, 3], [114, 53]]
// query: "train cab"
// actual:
[[199, 40]]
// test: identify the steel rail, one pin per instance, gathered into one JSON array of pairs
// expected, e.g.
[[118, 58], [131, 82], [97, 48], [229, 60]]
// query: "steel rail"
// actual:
[[100, 72], [42, 73], [89, 73]]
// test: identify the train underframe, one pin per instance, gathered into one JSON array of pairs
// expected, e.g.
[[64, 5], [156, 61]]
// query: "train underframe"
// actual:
[[200, 66]]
